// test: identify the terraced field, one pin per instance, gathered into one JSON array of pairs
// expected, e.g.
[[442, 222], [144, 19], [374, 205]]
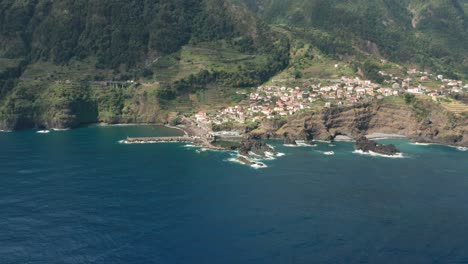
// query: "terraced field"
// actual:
[[193, 59], [456, 107], [211, 98]]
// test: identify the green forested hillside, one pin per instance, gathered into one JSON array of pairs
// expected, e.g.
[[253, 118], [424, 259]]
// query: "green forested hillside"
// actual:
[[116, 32], [431, 33], [67, 62], [48, 46]]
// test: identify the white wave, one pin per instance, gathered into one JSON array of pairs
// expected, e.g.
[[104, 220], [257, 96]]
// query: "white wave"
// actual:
[[6, 131], [60, 129], [299, 144], [253, 155], [428, 144], [329, 153], [235, 160], [270, 155], [257, 165], [121, 125], [374, 154], [280, 154], [331, 145], [304, 144], [421, 144], [323, 141], [191, 146], [43, 131]]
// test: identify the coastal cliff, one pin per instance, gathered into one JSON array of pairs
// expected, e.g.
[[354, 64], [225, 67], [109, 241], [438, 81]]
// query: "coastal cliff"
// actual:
[[72, 105], [421, 121]]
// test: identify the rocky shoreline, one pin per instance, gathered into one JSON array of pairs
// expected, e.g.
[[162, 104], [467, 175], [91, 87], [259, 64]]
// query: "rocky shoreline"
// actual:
[[434, 125]]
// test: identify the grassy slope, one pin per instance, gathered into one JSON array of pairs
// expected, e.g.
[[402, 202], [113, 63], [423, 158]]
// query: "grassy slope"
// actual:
[[203, 56]]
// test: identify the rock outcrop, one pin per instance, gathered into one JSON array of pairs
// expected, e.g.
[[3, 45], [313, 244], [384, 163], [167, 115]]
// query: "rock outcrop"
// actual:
[[289, 140], [367, 146], [256, 146]]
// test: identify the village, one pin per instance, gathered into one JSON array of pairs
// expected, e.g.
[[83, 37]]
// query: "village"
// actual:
[[276, 101]]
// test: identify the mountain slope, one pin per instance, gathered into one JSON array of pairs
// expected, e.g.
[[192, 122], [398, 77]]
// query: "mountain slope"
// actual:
[[68, 62], [431, 33], [116, 32], [57, 54]]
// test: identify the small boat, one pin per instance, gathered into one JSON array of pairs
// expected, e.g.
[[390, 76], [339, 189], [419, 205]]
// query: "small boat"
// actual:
[[329, 153], [43, 131]]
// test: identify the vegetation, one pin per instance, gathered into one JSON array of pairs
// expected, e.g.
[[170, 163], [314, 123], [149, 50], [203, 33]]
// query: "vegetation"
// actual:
[[61, 61], [430, 33]]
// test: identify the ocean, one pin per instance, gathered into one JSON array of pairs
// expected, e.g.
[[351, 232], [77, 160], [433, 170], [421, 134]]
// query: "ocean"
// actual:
[[79, 196]]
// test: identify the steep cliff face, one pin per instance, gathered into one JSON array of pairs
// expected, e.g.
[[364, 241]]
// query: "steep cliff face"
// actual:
[[423, 121], [68, 106]]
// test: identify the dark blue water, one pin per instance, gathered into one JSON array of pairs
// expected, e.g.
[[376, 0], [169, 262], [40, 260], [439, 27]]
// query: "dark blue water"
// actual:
[[81, 197]]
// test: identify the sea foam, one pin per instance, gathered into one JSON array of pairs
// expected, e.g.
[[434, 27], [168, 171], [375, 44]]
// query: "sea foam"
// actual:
[[462, 148], [304, 144], [291, 145], [421, 144], [257, 165], [374, 154], [299, 145]]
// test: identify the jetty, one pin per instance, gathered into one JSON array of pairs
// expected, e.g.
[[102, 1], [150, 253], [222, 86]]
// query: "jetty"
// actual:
[[184, 139], [200, 141]]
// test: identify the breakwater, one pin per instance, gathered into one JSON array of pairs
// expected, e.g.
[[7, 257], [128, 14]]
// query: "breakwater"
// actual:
[[199, 141], [183, 139]]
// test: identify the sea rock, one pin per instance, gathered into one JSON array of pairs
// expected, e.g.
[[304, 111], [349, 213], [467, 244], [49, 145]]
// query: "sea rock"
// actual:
[[289, 140], [367, 146], [256, 146]]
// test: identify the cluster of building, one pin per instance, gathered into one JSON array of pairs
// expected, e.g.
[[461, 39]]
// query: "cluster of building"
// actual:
[[416, 82], [278, 101]]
